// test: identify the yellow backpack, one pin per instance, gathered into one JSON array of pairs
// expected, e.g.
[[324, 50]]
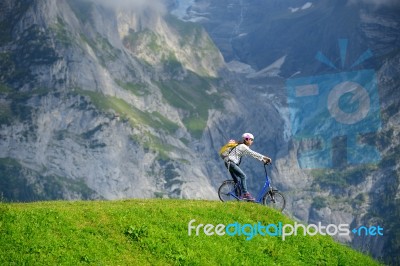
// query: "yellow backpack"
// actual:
[[227, 148]]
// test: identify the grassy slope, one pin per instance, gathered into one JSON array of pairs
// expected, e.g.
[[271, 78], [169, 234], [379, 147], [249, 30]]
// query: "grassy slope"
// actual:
[[153, 232]]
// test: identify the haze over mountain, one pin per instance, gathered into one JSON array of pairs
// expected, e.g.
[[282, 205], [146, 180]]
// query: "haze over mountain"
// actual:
[[134, 98]]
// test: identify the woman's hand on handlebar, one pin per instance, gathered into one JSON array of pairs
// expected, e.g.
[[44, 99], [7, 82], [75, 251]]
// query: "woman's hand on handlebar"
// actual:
[[267, 160]]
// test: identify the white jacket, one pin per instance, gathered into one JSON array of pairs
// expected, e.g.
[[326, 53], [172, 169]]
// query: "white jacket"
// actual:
[[240, 150]]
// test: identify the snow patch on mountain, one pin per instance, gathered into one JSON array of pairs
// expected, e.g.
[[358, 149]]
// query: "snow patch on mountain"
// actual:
[[239, 67], [272, 70], [303, 7]]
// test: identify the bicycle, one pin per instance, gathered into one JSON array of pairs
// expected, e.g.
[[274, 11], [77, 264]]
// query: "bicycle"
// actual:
[[231, 190]]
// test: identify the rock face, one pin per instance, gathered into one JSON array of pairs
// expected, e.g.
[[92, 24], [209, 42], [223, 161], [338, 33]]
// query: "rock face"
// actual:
[[268, 44], [104, 100], [122, 100]]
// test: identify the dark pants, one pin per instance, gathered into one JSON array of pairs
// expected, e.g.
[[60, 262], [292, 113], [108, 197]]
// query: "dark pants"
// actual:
[[237, 174]]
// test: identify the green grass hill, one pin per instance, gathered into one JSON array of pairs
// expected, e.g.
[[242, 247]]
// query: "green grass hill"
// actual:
[[154, 232]]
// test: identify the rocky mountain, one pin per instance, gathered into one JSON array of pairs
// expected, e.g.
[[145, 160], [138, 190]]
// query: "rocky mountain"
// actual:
[[100, 101], [133, 99], [334, 172]]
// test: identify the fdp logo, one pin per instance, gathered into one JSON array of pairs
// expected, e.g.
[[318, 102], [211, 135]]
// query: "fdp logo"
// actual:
[[332, 115]]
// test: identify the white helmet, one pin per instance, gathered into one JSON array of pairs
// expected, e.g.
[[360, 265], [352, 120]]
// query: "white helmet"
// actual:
[[247, 136]]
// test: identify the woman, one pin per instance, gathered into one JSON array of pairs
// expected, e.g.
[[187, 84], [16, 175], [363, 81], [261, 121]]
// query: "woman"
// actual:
[[235, 157]]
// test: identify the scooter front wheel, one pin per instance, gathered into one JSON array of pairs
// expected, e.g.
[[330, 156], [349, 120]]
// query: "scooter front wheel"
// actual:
[[275, 199]]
